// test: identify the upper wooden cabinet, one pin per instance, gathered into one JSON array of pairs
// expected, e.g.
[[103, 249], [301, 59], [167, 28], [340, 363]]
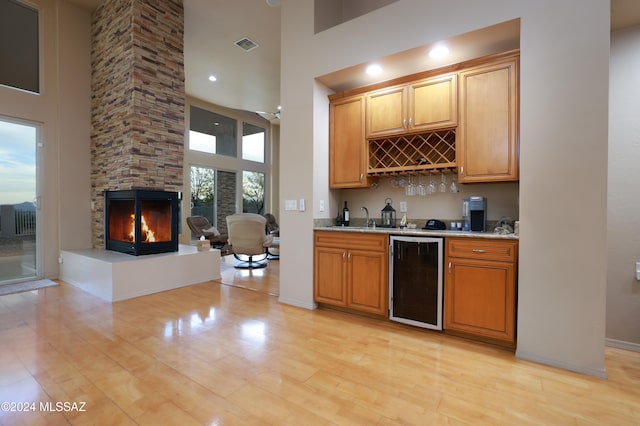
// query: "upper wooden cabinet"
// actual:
[[433, 103], [487, 139], [347, 144], [415, 107], [462, 116]]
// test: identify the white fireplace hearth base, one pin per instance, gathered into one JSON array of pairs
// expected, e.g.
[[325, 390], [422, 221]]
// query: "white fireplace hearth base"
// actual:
[[115, 276]]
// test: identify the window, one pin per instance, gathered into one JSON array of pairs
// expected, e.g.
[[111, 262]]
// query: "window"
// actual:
[[252, 192], [253, 138], [212, 195], [212, 133], [19, 46], [228, 164]]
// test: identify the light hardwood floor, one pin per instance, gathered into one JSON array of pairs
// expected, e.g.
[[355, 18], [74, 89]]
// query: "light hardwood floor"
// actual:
[[218, 354]]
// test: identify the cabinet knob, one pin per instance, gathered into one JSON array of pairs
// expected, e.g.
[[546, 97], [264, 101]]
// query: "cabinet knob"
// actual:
[[361, 176], [410, 122], [449, 266], [343, 253], [478, 251], [404, 123]]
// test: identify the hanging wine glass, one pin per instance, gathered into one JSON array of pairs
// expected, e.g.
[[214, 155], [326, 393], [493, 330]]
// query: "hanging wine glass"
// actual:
[[410, 189], [454, 185], [432, 185], [443, 183], [422, 188]]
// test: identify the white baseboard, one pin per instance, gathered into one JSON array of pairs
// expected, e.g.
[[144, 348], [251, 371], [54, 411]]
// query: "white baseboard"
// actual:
[[597, 372], [297, 303], [621, 344]]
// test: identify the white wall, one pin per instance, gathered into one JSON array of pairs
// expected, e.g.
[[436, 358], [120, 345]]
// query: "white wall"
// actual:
[[63, 110], [623, 220], [564, 78]]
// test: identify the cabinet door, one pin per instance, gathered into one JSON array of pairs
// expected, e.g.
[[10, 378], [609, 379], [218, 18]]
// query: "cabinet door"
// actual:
[[330, 276], [487, 142], [480, 298], [433, 103], [348, 155], [387, 112], [367, 288]]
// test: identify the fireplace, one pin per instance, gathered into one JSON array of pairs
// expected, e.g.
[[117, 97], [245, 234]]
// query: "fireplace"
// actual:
[[141, 221]]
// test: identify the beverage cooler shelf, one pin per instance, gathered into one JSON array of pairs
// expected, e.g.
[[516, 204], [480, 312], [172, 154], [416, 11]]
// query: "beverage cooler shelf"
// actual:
[[422, 152]]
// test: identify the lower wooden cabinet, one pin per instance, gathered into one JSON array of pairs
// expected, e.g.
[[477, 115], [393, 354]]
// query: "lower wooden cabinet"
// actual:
[[480, 289], [351, 271]]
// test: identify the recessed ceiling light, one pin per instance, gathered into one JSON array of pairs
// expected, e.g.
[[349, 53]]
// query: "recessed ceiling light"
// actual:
[[438, 52], [374, 69], [212, 78]]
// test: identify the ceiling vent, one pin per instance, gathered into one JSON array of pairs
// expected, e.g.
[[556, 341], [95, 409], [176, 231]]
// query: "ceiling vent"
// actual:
[[246, 44]]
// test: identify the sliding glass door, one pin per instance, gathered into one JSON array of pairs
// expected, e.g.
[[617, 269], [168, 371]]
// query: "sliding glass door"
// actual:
[[18, 201]]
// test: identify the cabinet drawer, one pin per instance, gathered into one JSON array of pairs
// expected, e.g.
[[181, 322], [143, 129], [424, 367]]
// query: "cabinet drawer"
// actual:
[[352, 240], [481, 248]]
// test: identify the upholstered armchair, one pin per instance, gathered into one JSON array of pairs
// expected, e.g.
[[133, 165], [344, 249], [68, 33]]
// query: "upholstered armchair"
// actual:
[[272, 228], [248, 239], [201, 227]]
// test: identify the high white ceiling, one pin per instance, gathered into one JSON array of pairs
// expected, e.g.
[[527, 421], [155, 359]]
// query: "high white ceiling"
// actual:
[[251, 80]]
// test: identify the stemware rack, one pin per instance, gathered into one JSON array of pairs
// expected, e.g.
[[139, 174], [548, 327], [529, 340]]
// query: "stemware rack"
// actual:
[[416, 153]]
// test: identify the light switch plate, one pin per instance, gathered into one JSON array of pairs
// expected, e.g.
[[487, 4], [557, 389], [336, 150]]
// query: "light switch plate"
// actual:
[[301, 204], [321, 205], [403, 206], [290, 205]]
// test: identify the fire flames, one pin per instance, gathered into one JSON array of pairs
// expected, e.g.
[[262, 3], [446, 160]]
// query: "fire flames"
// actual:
[[148, 236]]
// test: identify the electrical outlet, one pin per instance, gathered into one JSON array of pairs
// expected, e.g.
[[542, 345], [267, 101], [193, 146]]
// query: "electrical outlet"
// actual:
[[638, 271], [403, 206], [321, 205]]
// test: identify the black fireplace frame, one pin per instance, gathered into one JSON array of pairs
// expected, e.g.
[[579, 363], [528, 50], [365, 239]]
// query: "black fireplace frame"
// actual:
[[138, 247]]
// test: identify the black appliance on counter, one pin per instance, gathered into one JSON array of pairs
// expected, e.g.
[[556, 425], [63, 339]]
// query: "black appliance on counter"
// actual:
[[474, 214], [415, 272]]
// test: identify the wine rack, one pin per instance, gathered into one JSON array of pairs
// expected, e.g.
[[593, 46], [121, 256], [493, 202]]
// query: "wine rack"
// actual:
[[413, 153]]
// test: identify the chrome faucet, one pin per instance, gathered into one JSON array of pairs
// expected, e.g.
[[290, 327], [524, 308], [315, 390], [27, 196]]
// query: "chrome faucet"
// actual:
[[366, 223]]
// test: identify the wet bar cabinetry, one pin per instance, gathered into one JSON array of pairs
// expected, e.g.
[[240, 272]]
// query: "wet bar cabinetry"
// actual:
[[347, 150], [351, 271], [480, 289], [462, 119], [416, 107], [487, 140]]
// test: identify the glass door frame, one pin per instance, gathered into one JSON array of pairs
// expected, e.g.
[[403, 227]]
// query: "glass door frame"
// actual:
[[37, 200]]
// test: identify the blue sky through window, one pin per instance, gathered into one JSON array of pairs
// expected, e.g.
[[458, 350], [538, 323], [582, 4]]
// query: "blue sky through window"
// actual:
[[17, 163]]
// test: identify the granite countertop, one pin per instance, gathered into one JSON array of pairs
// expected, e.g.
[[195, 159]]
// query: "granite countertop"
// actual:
[[418, 232]]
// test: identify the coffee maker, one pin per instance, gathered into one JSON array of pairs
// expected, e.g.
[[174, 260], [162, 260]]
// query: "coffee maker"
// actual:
[[474, 214]]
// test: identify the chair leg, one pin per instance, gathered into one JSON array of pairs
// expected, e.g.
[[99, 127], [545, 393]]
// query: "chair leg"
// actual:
[[272, 256], [250, 263]]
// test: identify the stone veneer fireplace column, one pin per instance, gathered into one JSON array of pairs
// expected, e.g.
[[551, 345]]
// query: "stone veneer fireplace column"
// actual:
[[138, 99]]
